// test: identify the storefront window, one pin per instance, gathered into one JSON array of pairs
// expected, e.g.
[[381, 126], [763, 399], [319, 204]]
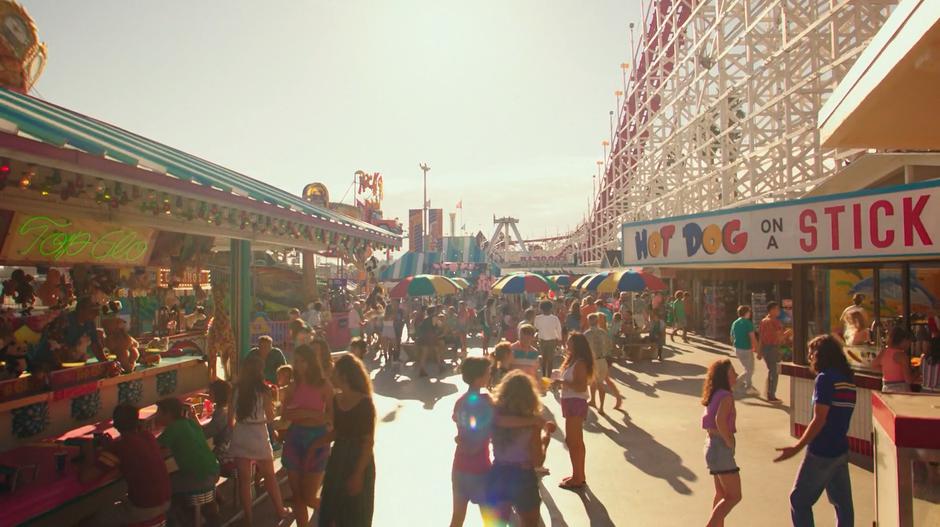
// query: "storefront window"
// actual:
[[861, 303]]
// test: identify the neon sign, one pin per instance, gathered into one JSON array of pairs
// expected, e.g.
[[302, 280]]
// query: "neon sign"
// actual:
[[56, 239]]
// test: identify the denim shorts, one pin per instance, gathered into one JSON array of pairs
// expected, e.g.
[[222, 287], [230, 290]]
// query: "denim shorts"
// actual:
[[518, 486], [719, 457], [297, 455], [470, 486]]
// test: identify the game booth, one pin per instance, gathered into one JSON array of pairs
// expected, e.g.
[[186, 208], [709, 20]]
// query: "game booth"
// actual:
[[127, 277]]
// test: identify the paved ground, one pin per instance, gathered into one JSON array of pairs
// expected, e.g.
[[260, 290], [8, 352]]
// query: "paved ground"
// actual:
[[645, 466]]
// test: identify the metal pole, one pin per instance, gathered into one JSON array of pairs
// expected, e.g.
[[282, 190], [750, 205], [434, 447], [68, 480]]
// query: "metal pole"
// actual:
[[424, 207], [611, 118], [632, 51], [906, 294], [876, 300]]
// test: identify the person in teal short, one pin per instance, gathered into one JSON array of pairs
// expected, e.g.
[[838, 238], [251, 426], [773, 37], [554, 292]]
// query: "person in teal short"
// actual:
[[745, 347]]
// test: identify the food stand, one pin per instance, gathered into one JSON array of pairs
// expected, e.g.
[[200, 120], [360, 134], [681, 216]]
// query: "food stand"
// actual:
[[91, 211], [888, 100]]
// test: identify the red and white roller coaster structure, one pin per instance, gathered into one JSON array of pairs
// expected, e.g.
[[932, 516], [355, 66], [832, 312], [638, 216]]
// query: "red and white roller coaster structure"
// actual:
[[720, 108]]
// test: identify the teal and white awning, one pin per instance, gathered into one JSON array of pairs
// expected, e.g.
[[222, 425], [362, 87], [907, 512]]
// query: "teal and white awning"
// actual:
[[24, 115], [462, 249], [456, 249]]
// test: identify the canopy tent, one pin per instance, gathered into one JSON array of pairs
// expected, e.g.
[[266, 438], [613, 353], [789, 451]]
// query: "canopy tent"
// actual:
[[85, 144], [456, 250], [462, 249]]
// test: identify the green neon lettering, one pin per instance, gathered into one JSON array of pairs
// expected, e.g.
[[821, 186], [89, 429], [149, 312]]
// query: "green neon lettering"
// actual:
[[38, 223], [51, 242]]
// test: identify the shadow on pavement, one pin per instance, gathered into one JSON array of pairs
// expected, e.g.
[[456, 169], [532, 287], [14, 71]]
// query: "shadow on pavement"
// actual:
[[631, 381], [554, 514], [675, 369], [390, 384], [645, 453], [686, 386], [391, 416], [711, 348], [595, 509]]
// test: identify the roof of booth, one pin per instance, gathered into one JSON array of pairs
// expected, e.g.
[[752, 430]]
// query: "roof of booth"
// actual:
[[889, 98], [25, 115]]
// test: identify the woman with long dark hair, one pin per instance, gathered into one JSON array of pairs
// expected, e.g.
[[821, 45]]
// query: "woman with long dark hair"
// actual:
[[349, 485], [576, 372], [254, 410], [826, 465], [308, 405], [718, 421]]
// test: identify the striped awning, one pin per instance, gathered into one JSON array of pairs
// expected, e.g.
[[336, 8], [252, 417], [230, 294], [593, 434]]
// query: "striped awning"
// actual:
[[455, 249], [462, 249], [24, 115], [409, 264]]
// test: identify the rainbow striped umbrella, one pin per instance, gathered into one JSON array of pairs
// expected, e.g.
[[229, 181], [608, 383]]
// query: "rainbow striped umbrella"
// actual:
[[631, 281], [424, 285], [578, 283], [561, 280], [595, 280], [519, 283]]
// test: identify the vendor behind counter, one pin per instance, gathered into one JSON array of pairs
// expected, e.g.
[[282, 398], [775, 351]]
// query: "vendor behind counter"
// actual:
[[67, 338]]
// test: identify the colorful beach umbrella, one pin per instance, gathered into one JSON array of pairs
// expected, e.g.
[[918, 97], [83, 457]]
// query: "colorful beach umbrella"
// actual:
[[630, 281], [424, 285], [561, 280], [594, 281], [519, 283], [578, 283], [462, 282]]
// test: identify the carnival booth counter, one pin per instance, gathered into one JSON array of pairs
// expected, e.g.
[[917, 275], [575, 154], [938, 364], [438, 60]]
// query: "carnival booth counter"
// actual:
[[111, 246], [907, 459]]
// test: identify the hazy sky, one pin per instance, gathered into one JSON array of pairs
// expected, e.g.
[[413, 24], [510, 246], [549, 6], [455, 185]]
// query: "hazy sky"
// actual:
[[506, 100]]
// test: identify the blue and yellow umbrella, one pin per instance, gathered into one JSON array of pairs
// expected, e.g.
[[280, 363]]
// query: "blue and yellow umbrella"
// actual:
[[424, 285], [518, 283]]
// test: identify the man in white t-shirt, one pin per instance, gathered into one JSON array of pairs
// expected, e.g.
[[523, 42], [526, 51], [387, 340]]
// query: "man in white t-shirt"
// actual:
[[548, 329]]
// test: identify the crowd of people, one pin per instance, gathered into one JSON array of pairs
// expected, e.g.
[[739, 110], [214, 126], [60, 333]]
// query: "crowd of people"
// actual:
[[319, 412]]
